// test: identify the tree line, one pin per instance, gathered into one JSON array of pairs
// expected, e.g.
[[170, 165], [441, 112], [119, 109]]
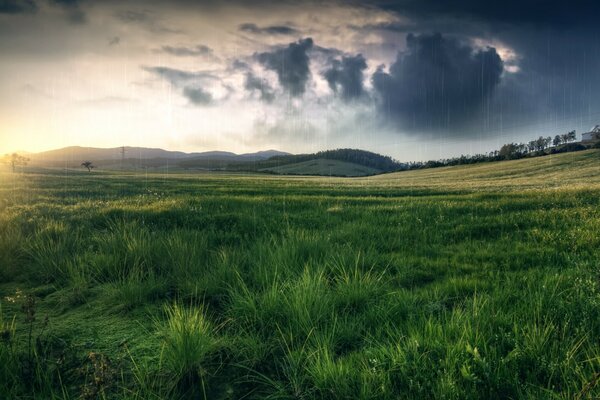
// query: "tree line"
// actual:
[[511, 151]]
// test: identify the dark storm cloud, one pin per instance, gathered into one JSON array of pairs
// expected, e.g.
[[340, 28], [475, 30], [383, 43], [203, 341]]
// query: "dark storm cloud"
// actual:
[[268, 30], [558, 80], [346, 76], [255, 84], [437, 83], [198, 96], [17, 6], [182, 51], [291, 64], [539, 13]]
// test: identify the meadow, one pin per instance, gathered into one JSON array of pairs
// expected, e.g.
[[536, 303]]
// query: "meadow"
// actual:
[[468, 282]]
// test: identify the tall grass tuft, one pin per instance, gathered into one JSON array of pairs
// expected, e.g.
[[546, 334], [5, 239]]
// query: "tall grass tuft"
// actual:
[[189, 340]]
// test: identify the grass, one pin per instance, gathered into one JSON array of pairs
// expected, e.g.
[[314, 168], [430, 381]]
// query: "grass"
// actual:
[[323, 167], [465, 282]]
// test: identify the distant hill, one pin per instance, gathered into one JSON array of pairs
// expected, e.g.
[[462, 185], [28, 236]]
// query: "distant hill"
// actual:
[[340, 162], [137, 157]]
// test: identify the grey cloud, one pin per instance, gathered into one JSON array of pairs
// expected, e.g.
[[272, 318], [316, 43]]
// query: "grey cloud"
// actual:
[[114, 41], [514, 12], [182, 51], [346, 76], [147, 20], [178, 76], [268, 30], [73, 11], [256, 84], [437, 83], [239, 65], [129, 16], [191, 83], [17, 6], [396, 27], [291, 64], [198, 96]]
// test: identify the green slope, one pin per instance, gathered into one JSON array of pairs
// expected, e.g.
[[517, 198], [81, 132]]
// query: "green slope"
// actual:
[[567, 169], [323, 167]]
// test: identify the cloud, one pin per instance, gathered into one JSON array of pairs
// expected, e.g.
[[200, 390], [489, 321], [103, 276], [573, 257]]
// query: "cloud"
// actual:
[[346, 76], [182, 51], [178, 77], [198, 96], [147, 20], [239, 65], [515, 12], [437, 83], [17, 6], [396, 27], [261, 86], [291, 64], [129, 16], [73, 11], [192, 84], [268, 30], [114, 41]]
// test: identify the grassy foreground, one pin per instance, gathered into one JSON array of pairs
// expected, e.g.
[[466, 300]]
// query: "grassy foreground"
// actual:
[[472, 282]]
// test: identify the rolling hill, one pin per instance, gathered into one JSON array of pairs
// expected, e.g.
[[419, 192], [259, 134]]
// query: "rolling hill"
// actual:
[[137, 157], [340, 162]]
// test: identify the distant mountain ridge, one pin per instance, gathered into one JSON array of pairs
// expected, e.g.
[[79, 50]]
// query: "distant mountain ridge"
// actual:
[[78, 154], [338, 162]]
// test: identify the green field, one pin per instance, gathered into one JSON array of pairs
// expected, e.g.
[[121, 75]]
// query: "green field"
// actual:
[[471, 282], [323, 167]]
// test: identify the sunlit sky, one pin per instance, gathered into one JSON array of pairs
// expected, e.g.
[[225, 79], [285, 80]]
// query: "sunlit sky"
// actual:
[[414, 80]]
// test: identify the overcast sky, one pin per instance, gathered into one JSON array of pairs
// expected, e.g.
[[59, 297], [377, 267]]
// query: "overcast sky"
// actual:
[[414, 79]]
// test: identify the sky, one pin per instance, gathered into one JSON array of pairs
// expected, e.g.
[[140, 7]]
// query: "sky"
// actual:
[[413, 79]]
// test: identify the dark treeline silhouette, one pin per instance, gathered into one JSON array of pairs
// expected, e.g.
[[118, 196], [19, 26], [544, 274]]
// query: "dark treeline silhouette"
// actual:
[[361, 157], [510, 151]]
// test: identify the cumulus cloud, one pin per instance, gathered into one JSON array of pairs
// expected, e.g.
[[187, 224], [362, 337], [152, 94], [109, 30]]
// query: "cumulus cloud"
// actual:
[[291, 64], [346, 76], [437, 83], [268, 30]]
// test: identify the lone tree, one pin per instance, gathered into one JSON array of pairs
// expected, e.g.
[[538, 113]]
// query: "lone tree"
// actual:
[[88, 165], [15, 160]]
